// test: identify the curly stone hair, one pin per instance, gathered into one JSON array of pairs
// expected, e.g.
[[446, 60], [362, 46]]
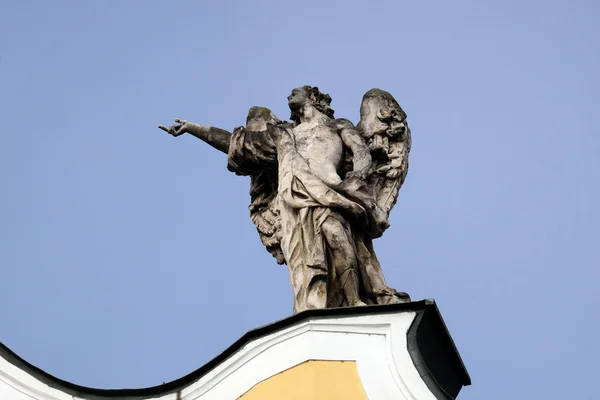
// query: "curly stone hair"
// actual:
[[321, 101]]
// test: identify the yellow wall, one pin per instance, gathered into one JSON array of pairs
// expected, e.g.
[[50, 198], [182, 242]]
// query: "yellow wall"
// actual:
[[318, 380]]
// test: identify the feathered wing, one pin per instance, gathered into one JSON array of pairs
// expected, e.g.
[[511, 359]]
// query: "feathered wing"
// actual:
[[264, 213], [253, 152], [384, 128]]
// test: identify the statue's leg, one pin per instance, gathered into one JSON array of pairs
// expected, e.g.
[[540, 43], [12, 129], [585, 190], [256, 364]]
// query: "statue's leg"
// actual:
[[376, 287], [308, 274], [343, 259]]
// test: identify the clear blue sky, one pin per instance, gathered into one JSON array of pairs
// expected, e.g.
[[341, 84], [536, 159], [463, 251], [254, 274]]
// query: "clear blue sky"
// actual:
[[127, 257]]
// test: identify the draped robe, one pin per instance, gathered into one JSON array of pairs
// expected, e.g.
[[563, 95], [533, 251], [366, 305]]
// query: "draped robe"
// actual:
[[283, 182]]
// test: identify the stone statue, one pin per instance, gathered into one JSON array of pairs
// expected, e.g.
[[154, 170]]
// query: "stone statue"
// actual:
[[321, 190]]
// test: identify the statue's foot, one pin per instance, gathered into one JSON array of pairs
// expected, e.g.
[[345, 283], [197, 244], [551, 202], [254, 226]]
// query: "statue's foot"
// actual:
[[393, 298], [403, 296], [356, 303]]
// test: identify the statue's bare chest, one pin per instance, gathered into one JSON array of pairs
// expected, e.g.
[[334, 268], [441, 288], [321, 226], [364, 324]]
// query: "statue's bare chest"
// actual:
[[316, 135], [321, 145]]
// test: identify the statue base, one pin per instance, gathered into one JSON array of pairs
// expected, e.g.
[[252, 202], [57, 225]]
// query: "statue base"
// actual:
[[400, 351]]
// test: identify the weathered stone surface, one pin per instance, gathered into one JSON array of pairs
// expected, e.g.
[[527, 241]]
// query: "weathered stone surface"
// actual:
[[321, 190]]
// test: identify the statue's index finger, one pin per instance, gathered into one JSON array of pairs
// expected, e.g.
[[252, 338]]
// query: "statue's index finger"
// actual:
[[163, 128]]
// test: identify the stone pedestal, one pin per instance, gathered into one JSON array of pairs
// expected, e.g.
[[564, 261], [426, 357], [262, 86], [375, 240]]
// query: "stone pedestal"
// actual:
[[401, 351]]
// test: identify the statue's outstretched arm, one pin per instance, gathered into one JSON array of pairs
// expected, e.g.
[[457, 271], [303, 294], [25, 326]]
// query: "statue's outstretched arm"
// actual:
[[361, 156], [216, 137]]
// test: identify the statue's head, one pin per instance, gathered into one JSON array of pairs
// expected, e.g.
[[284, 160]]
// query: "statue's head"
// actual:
[[308, 95], [259, 117]]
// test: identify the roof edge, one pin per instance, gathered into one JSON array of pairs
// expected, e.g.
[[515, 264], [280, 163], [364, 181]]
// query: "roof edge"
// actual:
[[180, 383]]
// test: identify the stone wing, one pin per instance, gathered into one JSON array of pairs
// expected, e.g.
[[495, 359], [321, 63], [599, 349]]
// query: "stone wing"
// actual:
[[264, 213], [384, 128]]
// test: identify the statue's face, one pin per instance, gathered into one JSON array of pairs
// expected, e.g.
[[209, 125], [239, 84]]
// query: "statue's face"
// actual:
[[298, 98]]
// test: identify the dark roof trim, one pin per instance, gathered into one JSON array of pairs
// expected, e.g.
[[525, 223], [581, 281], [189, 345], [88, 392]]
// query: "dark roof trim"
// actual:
[[181, 383], [434, 354]]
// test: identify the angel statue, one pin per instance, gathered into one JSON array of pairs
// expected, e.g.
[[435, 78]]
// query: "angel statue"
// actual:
[[321, 190]]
